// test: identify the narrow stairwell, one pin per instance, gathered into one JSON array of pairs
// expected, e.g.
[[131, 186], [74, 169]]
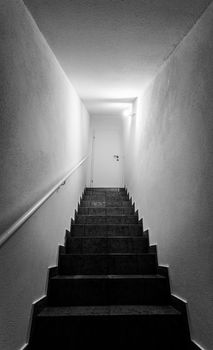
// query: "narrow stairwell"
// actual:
[[107, 290]]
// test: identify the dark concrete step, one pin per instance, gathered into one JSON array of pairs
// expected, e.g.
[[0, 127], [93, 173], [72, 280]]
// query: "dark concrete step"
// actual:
[[146, 327], [111, 310], [106, 196], [107, 290], [89, 245], [106, 211], [105, 189], [98, 219], [103, 192], [92, 264], [104, 204], [106, 230]]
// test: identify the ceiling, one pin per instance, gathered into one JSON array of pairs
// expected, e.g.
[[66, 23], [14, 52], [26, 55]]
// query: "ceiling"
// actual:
[[110, 49]]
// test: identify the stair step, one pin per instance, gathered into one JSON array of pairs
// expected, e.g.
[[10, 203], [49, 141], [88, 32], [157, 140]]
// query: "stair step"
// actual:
[[105, 189], [76, 290], [104, 204], [107, 244], [106, 230], [110, 194], [149, 326], [105, 198], [110, 310], [108, 292], [107, 264], [98, 219], [106, 211]]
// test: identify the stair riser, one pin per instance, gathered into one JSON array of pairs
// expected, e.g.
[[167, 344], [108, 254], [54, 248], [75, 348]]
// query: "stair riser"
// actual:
[[66, 332], [104, 204], [106, 230], [107, 245], [104, 198], [81, 219], [107, 264], [66, 292], [105, 211], [105, 190], [106, 194]]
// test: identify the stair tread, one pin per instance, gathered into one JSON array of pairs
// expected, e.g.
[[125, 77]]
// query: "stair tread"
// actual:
[[76, 277], [107, 237], [109, 254], [109, 216], [108, 207], [112, 310], [117, 225], [92, 199], [106, 188], [120, 200]]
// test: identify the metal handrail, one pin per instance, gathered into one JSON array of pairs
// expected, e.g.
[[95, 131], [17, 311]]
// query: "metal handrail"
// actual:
[[18, 223]]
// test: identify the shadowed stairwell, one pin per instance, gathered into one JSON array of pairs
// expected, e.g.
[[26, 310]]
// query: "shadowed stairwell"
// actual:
[[108, 289]]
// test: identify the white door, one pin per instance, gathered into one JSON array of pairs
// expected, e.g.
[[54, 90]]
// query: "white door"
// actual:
[[107, 159]]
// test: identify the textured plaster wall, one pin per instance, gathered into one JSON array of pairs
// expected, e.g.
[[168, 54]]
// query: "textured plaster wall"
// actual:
[[43, 134], [169, 170]]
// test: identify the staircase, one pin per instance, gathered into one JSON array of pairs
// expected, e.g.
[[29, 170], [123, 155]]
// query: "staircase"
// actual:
[[107, 290]]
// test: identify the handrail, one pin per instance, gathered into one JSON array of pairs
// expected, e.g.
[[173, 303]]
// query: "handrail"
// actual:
[[18, 223]]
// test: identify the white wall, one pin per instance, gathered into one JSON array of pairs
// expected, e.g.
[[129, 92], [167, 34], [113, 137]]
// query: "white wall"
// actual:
[[169, 170], [44, 133]]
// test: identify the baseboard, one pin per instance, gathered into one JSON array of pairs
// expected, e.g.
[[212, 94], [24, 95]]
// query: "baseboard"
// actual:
[[181, 305], [146, 235], [62, 249], [164, 271], [52, 271], [195, 346], [153, 248], [38, 306]]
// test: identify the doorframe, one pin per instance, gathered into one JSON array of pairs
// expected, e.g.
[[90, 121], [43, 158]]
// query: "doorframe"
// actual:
[[92, 158]]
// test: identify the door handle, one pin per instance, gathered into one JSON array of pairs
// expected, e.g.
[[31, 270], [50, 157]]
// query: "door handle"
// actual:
[[116, 157]]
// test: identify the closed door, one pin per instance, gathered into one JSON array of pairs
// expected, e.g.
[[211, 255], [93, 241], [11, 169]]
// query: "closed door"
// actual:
[[107, 158]]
